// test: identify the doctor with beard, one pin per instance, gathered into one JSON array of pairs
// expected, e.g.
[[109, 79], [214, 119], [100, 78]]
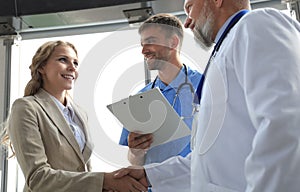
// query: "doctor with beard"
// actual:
[[246, 134]]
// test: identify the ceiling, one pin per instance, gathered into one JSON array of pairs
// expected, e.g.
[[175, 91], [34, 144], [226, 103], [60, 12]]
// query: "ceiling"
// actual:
[[31, 7], [52, 14], [29, 16], [98, 15]]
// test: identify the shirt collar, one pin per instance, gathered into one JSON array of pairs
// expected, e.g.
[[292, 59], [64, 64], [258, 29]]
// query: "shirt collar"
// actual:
[[61, 107], [221, 31], [175, 83], [180, 78]]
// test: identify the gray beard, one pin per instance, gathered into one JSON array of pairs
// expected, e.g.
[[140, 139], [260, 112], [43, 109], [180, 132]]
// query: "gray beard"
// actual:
[[203, 35], [201, 41]]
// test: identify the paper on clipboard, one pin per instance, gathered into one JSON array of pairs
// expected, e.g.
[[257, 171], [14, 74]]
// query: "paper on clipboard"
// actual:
[[150, 112]]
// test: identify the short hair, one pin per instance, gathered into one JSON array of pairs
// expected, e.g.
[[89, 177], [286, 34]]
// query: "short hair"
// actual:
[[167, 22]]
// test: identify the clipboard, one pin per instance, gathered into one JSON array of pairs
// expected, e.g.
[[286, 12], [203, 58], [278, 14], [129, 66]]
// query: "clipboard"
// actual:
[[150, 112]]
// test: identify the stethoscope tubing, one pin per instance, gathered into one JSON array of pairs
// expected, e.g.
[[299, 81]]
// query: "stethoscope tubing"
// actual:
[[186, 82]]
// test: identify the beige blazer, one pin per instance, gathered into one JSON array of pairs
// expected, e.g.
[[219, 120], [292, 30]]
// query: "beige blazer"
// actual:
[[46, 148]]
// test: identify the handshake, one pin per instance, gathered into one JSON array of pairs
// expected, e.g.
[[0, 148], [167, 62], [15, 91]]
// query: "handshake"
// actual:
[[131, 179]]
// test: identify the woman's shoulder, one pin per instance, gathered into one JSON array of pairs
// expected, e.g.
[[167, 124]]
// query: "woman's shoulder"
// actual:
[[24, 103], [26, 99]]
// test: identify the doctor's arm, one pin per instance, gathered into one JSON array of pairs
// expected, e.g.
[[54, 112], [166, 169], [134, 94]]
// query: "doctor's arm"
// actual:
[[270, 76], [171, 175]]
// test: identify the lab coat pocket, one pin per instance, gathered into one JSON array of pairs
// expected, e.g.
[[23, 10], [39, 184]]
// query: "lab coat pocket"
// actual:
[[212, 107], [216, 188]]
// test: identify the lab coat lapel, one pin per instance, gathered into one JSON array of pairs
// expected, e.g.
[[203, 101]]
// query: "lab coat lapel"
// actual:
[[53, 112]]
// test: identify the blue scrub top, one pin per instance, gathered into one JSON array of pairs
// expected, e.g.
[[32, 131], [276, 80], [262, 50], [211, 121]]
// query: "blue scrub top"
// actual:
[[183, 106]]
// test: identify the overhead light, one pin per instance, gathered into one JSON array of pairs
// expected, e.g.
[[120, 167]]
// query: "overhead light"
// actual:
[[138, 15]]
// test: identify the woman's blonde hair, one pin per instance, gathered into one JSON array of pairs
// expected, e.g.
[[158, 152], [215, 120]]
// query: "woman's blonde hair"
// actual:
[[38, 61]]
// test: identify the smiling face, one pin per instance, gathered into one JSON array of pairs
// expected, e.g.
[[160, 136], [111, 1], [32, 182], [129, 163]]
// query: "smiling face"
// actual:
[[157, 49], [60, 70]]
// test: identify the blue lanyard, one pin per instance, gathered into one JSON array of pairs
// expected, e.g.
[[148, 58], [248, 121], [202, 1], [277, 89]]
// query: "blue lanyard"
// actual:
[[234, 20]]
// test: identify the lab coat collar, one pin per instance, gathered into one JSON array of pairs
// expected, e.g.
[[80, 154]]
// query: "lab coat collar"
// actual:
[[222, 29]]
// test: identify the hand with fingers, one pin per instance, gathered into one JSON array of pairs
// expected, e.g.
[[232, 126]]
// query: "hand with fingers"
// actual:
[[138, 145], [137, 172], [139, 141], [123, 183]]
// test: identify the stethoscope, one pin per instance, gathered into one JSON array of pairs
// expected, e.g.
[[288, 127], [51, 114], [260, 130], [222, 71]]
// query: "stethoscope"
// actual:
[[185, 83]]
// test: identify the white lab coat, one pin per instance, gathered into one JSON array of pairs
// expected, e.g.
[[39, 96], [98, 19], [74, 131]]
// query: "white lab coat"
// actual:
[[248, 135]]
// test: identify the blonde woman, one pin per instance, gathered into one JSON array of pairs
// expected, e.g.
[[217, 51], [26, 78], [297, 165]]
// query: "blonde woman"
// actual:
[[49, 132]]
